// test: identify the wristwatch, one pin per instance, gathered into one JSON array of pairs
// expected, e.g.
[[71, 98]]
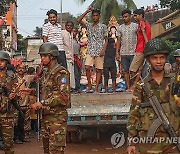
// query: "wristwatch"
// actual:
[[42, 102]]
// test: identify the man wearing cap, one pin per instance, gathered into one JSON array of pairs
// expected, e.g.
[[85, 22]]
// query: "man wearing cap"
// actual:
[[55, 99], [142, 116], [8, 83]]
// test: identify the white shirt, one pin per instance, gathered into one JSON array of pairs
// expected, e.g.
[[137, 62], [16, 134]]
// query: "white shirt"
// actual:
[[54, 34], [68, 45]]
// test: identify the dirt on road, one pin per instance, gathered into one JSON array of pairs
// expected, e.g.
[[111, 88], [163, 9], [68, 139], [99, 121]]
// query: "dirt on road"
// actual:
[[89, 145]]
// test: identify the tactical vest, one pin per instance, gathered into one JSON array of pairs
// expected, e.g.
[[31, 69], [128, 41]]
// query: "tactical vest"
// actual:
[[49, 85]]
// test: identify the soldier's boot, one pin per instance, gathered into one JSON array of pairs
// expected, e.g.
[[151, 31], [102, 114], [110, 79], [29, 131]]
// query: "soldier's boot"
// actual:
[[46, 145], [9, 151], [58, 150]]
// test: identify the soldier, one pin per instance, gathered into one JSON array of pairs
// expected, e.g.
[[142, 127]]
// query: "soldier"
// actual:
[[8, 82], [55, 100], [142, 115], [176, 70], [176, 65]]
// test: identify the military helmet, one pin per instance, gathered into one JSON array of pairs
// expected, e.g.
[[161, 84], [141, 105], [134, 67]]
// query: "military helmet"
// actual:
[[177, 53], [4, 55], [49, 48], [156, 46]]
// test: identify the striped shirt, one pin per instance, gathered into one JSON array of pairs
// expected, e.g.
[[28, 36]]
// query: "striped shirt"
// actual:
[[54, 34]]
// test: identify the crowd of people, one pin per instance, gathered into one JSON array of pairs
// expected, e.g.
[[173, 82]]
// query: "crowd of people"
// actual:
[[102, 52], [126, 49], [150, 8]]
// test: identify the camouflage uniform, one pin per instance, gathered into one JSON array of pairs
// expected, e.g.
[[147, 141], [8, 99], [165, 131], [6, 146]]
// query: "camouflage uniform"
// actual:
[[141, 117], [7, 117], [56, 96], [176, 65]]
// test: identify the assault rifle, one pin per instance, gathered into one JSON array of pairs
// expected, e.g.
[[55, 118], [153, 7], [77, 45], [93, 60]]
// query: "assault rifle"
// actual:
[[162, 118], [3, 89]]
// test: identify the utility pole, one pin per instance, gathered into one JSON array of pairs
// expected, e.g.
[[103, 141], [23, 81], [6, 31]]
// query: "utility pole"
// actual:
[[61, 16]]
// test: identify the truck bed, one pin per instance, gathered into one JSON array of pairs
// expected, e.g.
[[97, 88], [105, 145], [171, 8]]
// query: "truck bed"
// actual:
[[99, 108]]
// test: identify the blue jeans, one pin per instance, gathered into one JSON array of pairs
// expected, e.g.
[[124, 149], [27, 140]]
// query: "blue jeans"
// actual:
[[126, 62]]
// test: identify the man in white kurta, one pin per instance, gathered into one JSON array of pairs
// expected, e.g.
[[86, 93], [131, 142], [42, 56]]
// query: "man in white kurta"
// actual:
[[68, 47]]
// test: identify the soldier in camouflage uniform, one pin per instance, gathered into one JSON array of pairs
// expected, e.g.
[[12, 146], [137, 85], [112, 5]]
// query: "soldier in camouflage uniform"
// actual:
[[176, 65], [55, 100], [7, 80], [176, 70], [141, 117]]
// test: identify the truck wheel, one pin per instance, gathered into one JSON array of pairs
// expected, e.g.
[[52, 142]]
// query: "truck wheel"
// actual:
[[68, 137], [76, 137]]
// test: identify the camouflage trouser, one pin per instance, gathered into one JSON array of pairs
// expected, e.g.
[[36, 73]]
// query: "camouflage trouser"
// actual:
[[27, 122], [54, 133], [157, 148], [6, 130]]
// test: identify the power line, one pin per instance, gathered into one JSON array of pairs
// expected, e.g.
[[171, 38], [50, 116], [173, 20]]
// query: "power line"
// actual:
[[22, 30], [34, 5]]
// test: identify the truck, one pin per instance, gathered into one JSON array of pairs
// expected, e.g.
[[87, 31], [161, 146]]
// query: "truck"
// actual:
[[97, 110], [101, 110], [166, 25]]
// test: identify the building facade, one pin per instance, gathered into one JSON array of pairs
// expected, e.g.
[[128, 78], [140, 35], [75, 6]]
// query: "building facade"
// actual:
[[10, 29]]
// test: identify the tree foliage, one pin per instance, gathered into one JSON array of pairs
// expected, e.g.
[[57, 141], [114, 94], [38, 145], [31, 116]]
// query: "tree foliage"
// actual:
[[4, 6], [21, 44], [38, 31], [173, 4], [67, 16], [111, 7], [172, 47]]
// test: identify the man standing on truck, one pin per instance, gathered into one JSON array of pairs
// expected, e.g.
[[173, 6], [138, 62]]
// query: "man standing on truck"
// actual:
[[55, 96], [96, 47], [142, 115], [143, 36], [128, 39], [52, 32]]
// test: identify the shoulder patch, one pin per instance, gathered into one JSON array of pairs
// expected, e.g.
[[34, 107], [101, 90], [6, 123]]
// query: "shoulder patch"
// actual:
[[63, 80]]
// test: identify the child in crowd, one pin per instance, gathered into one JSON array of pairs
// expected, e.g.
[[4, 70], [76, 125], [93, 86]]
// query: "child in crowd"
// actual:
[[109, 65]]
